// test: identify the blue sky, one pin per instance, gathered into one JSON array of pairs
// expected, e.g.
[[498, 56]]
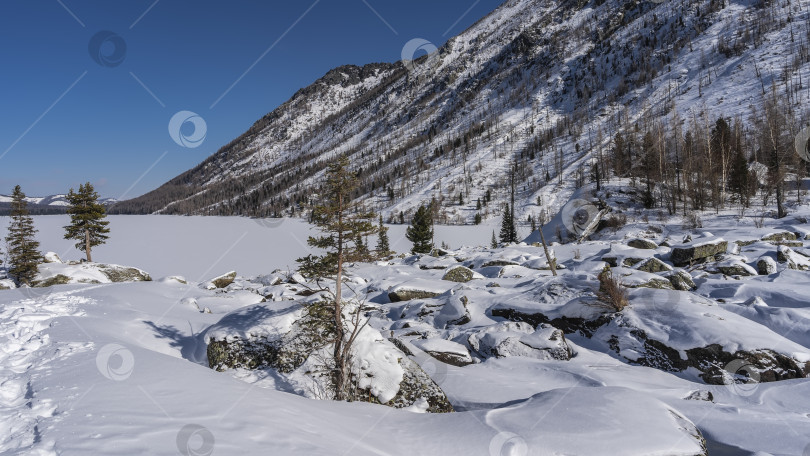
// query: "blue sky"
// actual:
[[67, 119]]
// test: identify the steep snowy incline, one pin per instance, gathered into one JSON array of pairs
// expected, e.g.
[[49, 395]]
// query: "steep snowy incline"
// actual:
[[546, 84]]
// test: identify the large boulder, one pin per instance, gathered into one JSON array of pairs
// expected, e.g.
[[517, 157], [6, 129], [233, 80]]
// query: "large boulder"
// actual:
[[642, 244], [223, 280], [779, 237], [699, 252], [736, 267], [446, 351], [794, 260], [681, 280], [766, 266], [459, 274], [653, 265], [415, 289], [521, 339], [295, 342], [124, 274], [676, 331], [52, 257]]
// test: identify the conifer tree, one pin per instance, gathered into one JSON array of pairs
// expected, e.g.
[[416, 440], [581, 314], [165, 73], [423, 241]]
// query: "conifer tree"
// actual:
[[343, 223], [421, 230], [494, 242], [23, 249], [383, 245], [87, 224], [508, 232], [738, 178]]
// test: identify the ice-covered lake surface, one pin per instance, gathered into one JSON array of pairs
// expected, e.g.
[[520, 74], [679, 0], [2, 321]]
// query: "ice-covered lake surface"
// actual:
[[122, 368], [196, 247]]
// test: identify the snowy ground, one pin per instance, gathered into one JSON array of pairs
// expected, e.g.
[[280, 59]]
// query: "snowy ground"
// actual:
[[122, 369]]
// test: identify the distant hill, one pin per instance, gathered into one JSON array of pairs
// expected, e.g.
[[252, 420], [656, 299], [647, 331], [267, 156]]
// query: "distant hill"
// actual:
[[46, 205]]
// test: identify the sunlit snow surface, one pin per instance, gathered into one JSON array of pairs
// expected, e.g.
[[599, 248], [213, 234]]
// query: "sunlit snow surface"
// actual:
[[121, 369]]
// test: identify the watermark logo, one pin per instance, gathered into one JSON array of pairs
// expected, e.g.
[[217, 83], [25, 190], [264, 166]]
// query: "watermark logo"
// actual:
[[270, 222], [195, 440], [802, 144], [578, 215], [115, 362], [107, 49], [435, 369], [508, 444], [35, 293], [179, 126], [413, 47], [741, 377]]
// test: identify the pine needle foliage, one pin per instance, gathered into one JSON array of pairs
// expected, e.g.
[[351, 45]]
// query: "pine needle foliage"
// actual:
[[87, 224], [23, 249], [420, 233]]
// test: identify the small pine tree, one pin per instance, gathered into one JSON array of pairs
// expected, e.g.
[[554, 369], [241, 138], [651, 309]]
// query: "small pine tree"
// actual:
[[477, 219], [738, 177], [383, 246], [87, 224], [494, 242], [421, 230], [343, 223], [23, 249], [508, 232]]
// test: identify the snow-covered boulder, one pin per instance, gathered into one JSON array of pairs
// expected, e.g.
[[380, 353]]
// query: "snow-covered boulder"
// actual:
[[52, 257], [653, 265], [735, 267], [7, 284], [448, 310], [416, 289], [459, 274], [680, 280], [785, 254], [521, 339], [675, 331], [221, 281], [446, 351], [766, 266], [697, 252], [640, 243], [779, 237], [50, 274], [294, 341]]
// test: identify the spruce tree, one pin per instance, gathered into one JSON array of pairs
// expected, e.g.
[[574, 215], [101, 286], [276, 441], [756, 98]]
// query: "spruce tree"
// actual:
[[87, 224], [383, 246], [508, 232], [738, 177], [343, 223], [494, 242], [23, 249], [421, 230]]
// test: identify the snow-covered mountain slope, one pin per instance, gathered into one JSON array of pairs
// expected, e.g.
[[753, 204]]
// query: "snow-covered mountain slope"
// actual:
[[544, 83]]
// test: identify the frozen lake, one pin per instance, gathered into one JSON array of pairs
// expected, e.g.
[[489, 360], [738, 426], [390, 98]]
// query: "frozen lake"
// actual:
[[201, 247]]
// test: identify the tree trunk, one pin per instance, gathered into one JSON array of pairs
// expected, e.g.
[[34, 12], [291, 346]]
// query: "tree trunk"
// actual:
[[87, 245], [340, 360], [552, 262]]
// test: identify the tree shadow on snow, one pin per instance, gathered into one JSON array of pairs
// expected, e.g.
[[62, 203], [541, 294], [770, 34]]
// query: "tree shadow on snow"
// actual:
[[188, 345]]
